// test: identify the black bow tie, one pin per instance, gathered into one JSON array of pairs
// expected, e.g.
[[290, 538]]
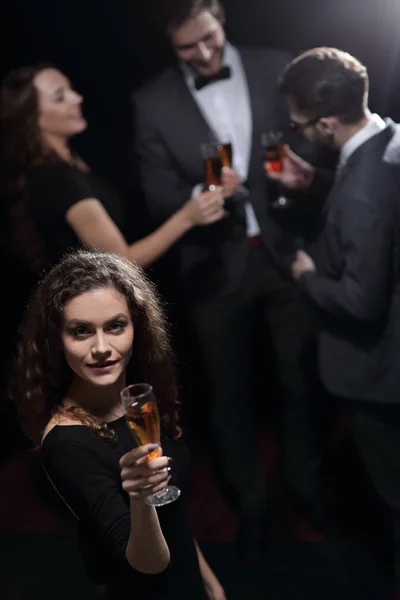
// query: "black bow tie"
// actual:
[[201, 80]]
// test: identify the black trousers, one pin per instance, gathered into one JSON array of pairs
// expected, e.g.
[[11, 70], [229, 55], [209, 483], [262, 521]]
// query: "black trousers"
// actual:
[[375, 429], [268, 302], [376, 432]]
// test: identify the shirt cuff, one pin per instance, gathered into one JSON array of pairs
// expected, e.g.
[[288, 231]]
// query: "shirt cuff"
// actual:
[[305, 278], [196, 191]]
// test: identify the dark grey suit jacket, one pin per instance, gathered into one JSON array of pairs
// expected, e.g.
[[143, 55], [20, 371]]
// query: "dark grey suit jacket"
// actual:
[[357, 283], [169, 131]]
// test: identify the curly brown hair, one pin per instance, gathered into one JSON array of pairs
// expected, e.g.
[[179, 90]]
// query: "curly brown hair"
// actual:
[[41, 375], [22, 149]]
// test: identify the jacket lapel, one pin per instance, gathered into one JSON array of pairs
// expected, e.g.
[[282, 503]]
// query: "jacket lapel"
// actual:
[[184, 116], [257, 98]]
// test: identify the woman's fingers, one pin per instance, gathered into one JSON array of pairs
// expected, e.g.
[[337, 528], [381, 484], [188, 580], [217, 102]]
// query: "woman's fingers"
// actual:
[[136, 454], [215, 216], [146, 484], [156, 488], [145, 469]]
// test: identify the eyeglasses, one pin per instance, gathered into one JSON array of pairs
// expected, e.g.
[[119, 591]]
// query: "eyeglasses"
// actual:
[[302, 126]]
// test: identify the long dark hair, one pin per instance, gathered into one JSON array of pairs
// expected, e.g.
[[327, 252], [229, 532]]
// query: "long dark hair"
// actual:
[[41, 375], [22, 149]]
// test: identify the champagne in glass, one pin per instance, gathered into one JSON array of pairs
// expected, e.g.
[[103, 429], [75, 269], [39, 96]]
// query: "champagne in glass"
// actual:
[[212, 165], [274, 153], [143, 419], [272, 142], [225, 150], [226, 153]]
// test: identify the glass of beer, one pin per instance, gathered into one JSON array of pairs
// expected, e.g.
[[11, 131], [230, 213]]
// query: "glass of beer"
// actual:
[[141, 413], [212, 165]]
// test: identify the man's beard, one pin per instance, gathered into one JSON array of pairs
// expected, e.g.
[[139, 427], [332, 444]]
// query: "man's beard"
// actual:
[[326, 140]]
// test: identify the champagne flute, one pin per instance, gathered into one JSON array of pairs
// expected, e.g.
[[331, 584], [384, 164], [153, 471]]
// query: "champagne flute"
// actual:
[[225, 150], [212, 165], [274, 153], [143, 419]]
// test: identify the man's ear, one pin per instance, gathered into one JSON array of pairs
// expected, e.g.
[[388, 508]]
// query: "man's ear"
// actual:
[[328, 124]]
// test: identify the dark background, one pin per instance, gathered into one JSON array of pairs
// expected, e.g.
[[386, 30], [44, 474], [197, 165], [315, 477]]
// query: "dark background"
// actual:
[[107, 49]]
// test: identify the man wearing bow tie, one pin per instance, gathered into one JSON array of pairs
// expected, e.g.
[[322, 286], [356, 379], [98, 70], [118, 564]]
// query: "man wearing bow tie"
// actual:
[[232, 278]]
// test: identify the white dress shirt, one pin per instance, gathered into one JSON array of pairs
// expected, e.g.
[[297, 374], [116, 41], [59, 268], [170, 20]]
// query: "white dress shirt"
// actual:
[[225, 105]]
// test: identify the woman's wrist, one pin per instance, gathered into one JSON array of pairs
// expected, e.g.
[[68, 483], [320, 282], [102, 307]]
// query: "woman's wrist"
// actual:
[[147, 550], [138, 504], [143, 513], [183, 218]]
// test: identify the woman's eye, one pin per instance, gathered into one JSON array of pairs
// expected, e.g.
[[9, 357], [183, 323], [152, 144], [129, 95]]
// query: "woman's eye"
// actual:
[[117, 327], [80, 332]]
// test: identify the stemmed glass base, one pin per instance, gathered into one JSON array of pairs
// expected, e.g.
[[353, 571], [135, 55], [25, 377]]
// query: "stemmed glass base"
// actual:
[[165, 496], [280, 202]]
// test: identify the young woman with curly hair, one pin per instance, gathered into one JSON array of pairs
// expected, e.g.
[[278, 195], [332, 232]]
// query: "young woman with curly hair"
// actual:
[[93, 325]]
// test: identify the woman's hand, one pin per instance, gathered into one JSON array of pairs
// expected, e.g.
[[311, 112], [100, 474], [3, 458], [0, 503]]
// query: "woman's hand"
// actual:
[[214, 589], [297, 174], [212, 586], [142, 477], [206, 208]]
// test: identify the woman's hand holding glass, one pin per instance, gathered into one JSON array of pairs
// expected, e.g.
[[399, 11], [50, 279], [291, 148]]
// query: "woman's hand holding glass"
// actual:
[[142, 477], [143, 419]]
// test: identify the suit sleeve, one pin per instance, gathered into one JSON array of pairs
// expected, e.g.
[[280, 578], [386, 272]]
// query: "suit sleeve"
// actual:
[[165, 188], [365, 235]]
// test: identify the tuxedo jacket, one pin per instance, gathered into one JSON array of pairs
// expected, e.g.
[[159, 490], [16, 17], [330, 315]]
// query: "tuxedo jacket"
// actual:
[[169, 131], [357, 283]]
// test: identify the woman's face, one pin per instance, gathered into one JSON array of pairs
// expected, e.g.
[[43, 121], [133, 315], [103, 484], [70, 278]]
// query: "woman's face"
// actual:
[[59, 105], [97, 336]]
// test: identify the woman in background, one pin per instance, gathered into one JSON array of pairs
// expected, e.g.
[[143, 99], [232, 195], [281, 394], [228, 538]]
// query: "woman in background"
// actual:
[[93, 325], [56, 203]]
